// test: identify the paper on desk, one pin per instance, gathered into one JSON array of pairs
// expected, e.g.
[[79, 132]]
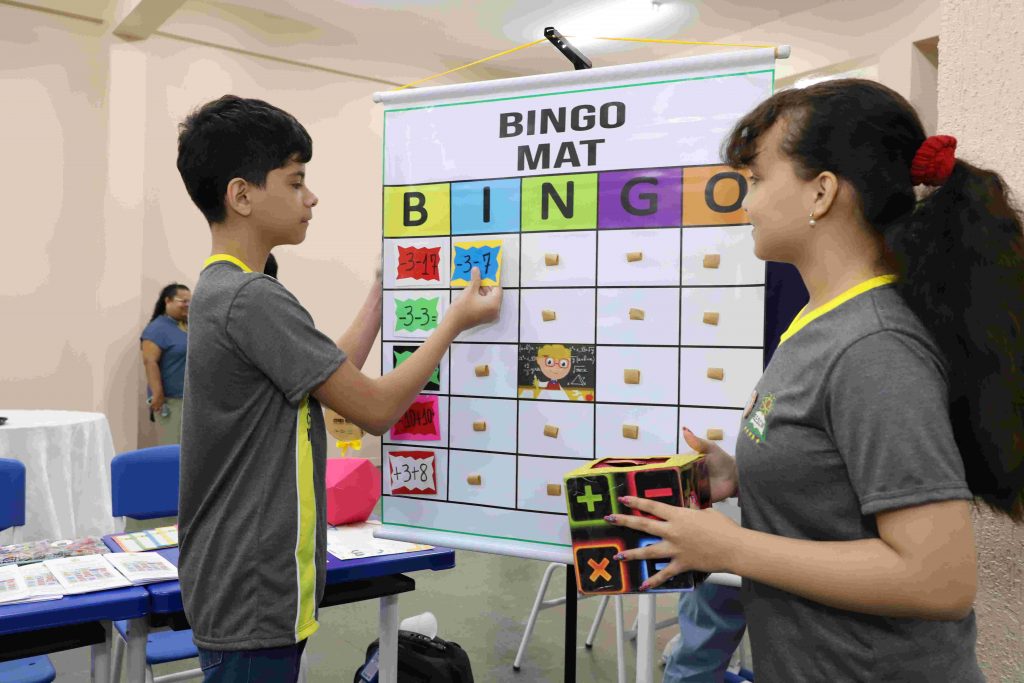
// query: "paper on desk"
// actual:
[[143, 568], [41, 582], [12, 585], [353, 541], [149, 539], [86, 574]]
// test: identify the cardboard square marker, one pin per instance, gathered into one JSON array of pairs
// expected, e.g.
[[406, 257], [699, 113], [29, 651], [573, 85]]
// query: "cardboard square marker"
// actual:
[[482, 370], [716, 373], [551, 430], [715, 434], [636, 314], [711, 318], [712, 260], [550, 259], [631, 376], [634, 256], [547, 315], [631, 431], [479, 426]]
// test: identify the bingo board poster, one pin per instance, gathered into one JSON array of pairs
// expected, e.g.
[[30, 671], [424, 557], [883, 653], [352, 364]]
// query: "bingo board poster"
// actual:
[[633, 302]]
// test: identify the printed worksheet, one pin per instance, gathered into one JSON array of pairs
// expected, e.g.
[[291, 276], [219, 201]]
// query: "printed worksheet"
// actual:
[[143, 568], [353, 541], [86, 574], [41, 582], [12, 585]]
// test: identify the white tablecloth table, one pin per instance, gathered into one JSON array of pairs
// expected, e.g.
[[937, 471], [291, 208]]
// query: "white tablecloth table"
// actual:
[[67, 479]]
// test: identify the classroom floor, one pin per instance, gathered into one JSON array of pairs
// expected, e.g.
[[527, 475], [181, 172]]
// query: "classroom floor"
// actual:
[[482, 604]]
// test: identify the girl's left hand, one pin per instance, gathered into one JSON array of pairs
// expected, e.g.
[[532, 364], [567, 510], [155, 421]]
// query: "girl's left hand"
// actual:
[[701, 540]]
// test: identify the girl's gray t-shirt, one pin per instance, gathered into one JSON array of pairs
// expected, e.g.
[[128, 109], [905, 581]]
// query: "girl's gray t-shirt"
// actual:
[[850, 419]]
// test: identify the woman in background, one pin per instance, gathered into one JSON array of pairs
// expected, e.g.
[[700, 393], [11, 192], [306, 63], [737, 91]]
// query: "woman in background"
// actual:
[[164, 342]]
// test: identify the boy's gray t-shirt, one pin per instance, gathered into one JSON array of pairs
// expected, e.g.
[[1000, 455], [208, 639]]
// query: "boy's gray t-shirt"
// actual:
[[251, 515], [850, 419]]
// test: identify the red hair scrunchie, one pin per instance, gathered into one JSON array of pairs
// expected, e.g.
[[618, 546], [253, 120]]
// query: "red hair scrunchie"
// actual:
[[934, 160]]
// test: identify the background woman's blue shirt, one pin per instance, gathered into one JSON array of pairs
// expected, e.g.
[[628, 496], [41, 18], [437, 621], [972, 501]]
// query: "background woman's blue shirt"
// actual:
[[173, 342]]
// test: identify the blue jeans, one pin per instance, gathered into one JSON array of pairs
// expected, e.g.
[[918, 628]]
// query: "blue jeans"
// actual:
[[270, 665], [711, 625]]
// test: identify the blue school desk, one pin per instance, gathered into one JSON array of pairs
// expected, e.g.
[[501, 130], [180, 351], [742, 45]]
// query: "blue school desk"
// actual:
[[348, 581], [36, 628]]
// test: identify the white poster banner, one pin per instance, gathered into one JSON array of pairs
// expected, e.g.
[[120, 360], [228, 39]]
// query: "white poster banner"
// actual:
[[665, 123], [598, 200]]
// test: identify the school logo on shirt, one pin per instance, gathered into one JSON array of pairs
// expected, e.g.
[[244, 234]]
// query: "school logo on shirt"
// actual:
[[757, 426]]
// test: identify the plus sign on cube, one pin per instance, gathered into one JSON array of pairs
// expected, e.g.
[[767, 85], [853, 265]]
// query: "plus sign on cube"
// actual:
[[590, 498], [592, 492]]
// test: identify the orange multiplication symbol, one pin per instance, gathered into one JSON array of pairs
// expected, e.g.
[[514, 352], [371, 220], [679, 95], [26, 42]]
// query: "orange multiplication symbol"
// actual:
[[599, 570]]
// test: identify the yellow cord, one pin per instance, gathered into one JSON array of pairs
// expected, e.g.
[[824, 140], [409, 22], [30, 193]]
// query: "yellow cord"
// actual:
[[544, 40], [479, 61]]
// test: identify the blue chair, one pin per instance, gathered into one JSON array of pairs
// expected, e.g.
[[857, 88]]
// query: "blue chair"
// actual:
[[12, 513], [144, 485]]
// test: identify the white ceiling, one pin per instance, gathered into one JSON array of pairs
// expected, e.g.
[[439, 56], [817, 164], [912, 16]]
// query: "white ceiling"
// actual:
[[394, 41], [403, 41]]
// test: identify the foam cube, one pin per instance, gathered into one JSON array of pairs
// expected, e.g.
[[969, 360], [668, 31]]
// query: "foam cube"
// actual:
[[592, 492], [353, 488]]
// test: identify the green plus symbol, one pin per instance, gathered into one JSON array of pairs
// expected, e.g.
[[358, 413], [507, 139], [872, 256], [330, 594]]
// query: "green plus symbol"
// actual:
[[589, 498]]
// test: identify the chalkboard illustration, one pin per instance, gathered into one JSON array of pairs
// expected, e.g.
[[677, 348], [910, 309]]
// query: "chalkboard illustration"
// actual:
[[557, 371]]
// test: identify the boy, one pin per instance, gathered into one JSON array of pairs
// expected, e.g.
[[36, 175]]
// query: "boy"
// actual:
[[251, 511]]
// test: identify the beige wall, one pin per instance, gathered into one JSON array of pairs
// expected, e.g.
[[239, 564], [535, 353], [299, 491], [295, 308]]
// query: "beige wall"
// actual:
[[60, 336], [99, 220], [980, 102]]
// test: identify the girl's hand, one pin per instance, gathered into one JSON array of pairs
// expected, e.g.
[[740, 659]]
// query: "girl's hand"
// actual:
[[702, 540], [722, 471]]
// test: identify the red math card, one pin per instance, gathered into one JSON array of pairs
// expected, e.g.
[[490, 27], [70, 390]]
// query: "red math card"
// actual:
[[421, 421], [412, 472], [418, 263]]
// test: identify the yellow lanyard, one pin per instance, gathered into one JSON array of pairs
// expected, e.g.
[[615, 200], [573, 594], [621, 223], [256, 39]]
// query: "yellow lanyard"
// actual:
[[227, 258], [801, 320]]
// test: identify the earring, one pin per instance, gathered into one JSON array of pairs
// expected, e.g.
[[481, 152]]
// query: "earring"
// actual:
[[811, 220]]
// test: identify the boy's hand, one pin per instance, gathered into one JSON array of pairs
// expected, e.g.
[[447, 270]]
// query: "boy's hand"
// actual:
[[476, 305]]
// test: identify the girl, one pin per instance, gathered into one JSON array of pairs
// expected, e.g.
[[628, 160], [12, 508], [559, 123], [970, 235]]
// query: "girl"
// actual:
[[894, 399]]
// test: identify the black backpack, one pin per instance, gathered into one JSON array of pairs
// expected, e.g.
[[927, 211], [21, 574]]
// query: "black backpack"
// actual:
[[421, 660]]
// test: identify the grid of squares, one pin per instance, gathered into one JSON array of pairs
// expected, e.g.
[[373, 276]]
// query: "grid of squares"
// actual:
[[646, 276]]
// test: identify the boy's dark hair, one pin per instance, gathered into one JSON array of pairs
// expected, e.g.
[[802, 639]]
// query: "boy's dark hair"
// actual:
[[271, 267], [959, 253], [233, 137]]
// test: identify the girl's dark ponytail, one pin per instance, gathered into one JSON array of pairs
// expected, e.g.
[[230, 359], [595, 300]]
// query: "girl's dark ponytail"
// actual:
[[961, 257]]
